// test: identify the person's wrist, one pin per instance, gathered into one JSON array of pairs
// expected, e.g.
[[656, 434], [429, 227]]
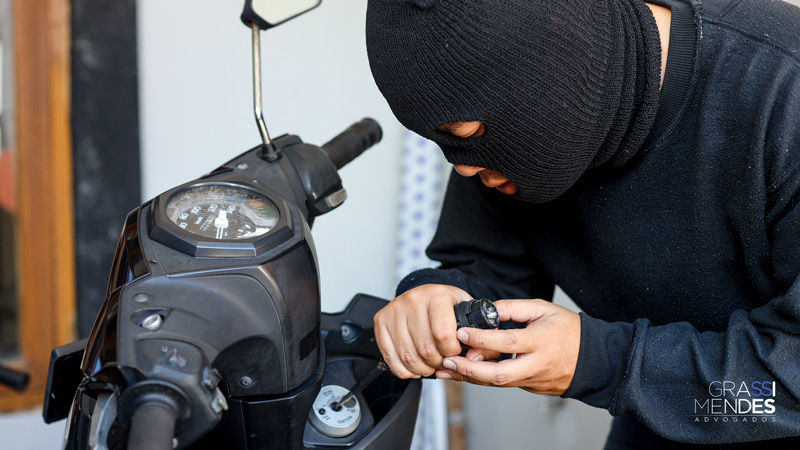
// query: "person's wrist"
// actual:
[[432, 276], [572, 349], [601, 363]]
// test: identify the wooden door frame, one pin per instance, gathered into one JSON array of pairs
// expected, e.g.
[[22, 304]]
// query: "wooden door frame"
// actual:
[[45, 219]]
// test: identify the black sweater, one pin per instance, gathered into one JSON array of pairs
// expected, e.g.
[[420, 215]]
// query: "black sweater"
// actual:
[[686, 260]]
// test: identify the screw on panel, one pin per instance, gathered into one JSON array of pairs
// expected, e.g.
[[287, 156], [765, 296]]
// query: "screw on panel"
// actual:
[[176, 360], [141, 297], [245, 381], [242, 166], [350, 332]]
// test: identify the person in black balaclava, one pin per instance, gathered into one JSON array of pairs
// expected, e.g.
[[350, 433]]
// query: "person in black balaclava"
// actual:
[[646, 160], [560, 86]]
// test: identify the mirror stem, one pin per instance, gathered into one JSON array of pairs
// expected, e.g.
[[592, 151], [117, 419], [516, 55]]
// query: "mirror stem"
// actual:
[[269, 151]]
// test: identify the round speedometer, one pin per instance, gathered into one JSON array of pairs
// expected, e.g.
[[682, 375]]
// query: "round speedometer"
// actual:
[[222, 212]]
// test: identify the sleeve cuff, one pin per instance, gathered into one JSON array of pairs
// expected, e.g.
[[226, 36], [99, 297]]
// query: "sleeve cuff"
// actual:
[[602, 361], [433, 276]]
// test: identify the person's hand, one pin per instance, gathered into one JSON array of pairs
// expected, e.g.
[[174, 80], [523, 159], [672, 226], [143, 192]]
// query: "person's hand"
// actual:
[[546, 349], [417, 330]]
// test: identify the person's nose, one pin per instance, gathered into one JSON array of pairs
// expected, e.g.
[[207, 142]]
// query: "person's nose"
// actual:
[[467, 171]]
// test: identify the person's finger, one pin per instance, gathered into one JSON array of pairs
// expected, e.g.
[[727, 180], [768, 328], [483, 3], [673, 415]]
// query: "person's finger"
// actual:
[[407, 351], [480, 354], [443, 327], [446, 374], [503, 341], [503, 373], [418, 329], [523, 311], [387, 349]]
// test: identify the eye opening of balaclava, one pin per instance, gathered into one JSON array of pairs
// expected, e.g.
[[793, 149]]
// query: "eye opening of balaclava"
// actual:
[[446, 138], [560, 86]]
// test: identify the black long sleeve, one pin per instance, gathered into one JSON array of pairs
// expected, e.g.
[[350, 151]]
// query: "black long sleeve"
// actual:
[[686, 260], [495, 266]]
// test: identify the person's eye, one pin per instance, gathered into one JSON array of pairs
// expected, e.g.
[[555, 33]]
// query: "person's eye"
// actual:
[[480, 131], [463, 129]]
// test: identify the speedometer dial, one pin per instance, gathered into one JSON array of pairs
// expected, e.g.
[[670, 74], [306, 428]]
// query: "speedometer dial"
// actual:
[[222, 212]]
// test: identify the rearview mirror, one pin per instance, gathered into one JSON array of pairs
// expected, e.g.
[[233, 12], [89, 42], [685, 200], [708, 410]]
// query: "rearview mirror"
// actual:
[[269, 13]]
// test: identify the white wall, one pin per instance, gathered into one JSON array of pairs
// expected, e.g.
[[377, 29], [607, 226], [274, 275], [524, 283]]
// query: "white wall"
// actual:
[[196, 113]]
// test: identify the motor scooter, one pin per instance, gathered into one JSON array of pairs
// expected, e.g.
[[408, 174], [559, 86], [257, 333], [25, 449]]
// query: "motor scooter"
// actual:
[[211, 333]]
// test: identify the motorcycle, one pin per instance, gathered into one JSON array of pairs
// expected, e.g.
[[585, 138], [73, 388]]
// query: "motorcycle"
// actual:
[[211, 333]]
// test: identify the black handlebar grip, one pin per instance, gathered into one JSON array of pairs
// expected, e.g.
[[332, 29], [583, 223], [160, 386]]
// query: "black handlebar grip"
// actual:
[[152, 427], [353, 141], [13, 379]]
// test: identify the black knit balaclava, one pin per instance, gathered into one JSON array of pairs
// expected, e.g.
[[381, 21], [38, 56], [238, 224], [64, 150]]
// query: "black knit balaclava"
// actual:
[[562, 86]]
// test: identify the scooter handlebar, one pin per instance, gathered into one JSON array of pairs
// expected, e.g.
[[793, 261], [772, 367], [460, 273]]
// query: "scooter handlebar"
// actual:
[[152, 427], [353, 141], [16, 380]]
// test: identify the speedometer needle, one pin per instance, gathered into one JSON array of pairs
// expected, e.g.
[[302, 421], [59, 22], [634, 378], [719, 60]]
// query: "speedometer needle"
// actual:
[[221, 222]]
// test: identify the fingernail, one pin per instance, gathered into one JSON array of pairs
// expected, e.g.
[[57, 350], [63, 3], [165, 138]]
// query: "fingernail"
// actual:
[[477, 357], [444, 375], [449, 364], [463, 336]]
